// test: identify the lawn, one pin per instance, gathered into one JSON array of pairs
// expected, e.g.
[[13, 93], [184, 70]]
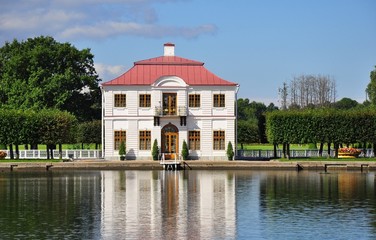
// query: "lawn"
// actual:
[[270, 147]]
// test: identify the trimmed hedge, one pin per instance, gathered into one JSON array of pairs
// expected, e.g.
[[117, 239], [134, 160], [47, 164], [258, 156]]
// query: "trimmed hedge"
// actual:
[[29, 127], [321, 126]]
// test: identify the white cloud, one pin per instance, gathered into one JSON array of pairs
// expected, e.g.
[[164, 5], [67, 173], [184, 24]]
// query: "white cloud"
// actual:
[[89, 19], [107, 29], [107, 72]]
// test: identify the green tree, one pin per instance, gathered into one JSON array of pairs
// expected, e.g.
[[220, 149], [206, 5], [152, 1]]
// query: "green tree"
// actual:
[[42, 73], [345, 103], [247, 133], [371, 88], [89, 132]]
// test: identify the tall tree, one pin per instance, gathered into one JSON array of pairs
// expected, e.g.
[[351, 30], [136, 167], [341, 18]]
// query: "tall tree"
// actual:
[[43, 73], [371, 88], [308, 91]]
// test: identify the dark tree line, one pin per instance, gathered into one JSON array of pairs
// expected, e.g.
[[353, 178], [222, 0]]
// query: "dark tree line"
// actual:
[[251, 121]]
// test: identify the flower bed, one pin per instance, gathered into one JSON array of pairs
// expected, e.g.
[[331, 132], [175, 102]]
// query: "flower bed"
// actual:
[[349, 153], [3, 155]]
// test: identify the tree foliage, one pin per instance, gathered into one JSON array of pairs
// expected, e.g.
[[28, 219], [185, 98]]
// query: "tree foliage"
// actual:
[[345, 104], [251, 121], [371, 88], [40, 73], [89, 132], [29, 127]]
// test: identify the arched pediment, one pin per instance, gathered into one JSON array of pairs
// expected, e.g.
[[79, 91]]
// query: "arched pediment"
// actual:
[[169, 81]]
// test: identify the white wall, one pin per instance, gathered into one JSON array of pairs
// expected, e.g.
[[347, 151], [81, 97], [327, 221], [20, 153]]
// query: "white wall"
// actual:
[[206, 118]]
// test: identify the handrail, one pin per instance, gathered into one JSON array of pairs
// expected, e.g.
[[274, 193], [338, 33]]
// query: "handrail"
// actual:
[[42, 154]]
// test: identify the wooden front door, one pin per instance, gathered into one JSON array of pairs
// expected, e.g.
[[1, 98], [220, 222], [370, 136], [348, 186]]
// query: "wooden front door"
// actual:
[[169, 103], [170, 141]]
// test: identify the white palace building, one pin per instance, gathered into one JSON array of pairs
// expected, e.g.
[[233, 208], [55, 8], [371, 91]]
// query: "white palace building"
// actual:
[[170, 99]]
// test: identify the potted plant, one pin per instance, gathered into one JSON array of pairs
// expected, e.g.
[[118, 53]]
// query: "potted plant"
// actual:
[[230, 151], [184, 151], [155, 150], [122, 150]]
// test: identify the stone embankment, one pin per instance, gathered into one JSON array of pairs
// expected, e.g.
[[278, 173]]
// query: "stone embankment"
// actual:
[[190, 165]]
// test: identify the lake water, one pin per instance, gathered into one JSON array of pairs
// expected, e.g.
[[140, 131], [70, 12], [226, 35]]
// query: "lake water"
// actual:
[[187, 205]]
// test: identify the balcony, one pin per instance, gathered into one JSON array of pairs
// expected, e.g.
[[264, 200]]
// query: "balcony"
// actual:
[[180, 111]]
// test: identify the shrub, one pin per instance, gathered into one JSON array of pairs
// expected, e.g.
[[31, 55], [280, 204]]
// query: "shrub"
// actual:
[[230, 151], [155, 150], [122, 150], [184, 151]]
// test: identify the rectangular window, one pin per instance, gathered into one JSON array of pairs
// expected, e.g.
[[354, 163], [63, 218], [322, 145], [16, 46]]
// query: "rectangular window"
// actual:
[[194, 100], [118, 137], [219, 100], [145, 100], [120, 100], [194, 140], [145, 140], [219, 140]]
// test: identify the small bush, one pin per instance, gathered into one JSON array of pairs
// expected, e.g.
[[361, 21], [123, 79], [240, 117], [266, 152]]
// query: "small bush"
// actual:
[[122, 150], [155, 150], [230, 151], [184, 151]]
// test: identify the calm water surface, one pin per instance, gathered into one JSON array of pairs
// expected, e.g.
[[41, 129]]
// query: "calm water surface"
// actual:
[[187, 205]]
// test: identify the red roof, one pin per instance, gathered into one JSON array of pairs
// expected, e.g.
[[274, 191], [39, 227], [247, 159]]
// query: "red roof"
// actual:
[[146, 72]]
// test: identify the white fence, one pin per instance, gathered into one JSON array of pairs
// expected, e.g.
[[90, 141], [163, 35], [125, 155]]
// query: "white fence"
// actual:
[[267, 154], [66, 154]]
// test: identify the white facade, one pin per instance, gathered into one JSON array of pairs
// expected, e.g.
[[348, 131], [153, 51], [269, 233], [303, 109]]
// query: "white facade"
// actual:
[[169, 93]]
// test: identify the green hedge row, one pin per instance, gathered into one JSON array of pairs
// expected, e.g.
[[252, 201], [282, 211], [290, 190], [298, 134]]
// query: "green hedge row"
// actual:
[[30, 127], [321, 126]]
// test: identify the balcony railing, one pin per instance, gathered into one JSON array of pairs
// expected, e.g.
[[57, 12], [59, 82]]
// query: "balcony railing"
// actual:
[[180, 111]]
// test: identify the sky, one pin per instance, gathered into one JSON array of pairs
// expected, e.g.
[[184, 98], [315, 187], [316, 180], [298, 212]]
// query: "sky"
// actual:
[[259, 44]]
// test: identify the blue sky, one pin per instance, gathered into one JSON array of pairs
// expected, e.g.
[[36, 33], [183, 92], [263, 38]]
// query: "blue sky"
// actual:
[[257, 43]]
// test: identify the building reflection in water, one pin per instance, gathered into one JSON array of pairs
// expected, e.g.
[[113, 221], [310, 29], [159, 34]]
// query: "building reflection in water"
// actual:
[[160, 204]]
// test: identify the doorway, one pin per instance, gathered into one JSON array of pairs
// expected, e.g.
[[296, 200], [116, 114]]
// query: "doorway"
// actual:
[[170, 141]]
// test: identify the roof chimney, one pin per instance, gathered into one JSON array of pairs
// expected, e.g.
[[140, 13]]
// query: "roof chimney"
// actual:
[[169, 49]]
